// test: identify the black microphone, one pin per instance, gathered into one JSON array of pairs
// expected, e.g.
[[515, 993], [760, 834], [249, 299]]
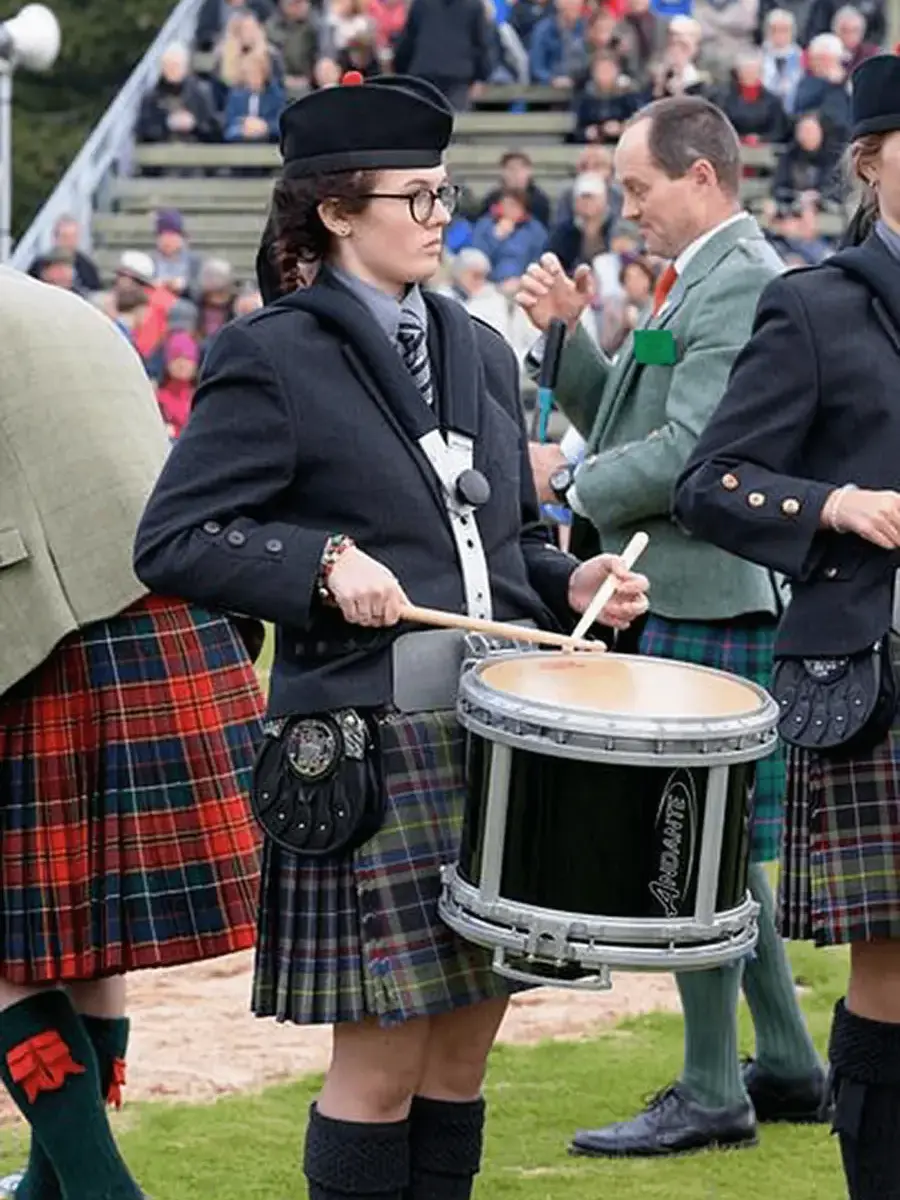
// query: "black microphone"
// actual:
[[550, 363]]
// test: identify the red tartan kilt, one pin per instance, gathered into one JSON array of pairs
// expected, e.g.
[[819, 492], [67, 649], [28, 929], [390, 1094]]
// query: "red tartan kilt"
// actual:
[[125, 837]]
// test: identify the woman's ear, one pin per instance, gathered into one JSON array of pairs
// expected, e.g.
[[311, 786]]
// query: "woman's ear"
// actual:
[[333, 219]]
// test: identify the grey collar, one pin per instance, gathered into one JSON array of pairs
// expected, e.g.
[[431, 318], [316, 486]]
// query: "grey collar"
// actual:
[[385, 309]]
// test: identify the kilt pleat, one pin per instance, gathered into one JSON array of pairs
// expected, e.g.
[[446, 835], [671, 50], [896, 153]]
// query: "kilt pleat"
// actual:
[[125, 837], [744, 650], [840, 878], [360, 936]]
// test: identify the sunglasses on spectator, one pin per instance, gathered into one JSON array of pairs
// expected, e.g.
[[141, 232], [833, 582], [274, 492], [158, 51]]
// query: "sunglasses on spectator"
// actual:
[[422, 202]]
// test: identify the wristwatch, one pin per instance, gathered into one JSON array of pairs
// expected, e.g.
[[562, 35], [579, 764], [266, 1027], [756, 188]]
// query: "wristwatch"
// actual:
[[561, 480]]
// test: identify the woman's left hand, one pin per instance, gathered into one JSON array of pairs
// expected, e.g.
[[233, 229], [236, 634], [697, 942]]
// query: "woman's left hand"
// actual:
[[629, 600]]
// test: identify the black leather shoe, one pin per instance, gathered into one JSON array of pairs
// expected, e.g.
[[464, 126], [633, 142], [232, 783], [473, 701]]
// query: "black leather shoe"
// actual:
[[797, 1101], [671, 1123]]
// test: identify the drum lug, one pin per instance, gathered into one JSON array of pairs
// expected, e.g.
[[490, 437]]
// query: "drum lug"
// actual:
[[549, 945]]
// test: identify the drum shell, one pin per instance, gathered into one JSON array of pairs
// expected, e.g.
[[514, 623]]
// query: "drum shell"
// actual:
[[606, 839]]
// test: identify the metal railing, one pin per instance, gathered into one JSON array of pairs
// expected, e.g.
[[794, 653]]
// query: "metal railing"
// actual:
[[107, 151]]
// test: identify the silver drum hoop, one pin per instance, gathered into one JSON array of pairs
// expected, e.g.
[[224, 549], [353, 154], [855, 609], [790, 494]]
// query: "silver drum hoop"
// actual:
[[597, 736], [595, 944]]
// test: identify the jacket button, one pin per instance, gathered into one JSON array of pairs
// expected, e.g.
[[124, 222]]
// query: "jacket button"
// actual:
[[730, 482], [790, 507], [756, 499], [212, 527], [236, 538], [831, 573], [274, 546]]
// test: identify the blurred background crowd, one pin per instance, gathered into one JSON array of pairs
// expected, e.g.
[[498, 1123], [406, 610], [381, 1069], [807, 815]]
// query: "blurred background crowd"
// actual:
[[780, 71]]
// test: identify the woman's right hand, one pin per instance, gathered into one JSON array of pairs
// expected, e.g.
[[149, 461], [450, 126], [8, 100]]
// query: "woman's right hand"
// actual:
[[874, 516], [365, 591]]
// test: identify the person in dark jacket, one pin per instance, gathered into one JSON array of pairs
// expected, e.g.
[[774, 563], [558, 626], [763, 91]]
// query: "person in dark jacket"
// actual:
[[180, 108], [580, 239], [524, 15], [510, 237], [811, 162], [294, 30], [757, 114], [797, 471], [254, 105], [559, 53], [823, 12], [67, 237], [823, 90], [320, 499], [606, 103], [446, 42], [517, 175], [215, 15]]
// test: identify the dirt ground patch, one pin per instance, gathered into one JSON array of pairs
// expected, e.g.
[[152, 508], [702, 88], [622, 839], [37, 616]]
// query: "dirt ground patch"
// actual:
[[194, 1039]]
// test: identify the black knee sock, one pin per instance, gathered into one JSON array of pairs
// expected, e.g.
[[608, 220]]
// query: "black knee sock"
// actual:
[[865, 1066], [445, 1140], [350, 1158]]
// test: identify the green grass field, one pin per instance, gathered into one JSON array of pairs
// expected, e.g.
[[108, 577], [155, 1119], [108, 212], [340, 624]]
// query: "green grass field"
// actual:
[[248, 1148]]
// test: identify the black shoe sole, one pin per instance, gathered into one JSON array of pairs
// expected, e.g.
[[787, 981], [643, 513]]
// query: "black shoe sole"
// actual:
[[664, 1152]]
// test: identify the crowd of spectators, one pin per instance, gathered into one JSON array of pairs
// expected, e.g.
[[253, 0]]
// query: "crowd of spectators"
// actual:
[[779, 68], [168, 303]]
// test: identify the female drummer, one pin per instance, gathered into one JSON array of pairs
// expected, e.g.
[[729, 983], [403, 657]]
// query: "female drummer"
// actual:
[[357, 442], [798, 470]]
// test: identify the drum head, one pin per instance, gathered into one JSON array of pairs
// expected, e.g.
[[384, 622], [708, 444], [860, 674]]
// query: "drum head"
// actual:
[[609, 707], [650, 688]]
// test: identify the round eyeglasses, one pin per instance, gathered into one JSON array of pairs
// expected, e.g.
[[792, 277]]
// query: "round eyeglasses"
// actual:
[[422, 202]]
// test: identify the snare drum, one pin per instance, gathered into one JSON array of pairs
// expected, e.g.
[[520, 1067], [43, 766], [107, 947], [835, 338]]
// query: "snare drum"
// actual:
[[608, 813]]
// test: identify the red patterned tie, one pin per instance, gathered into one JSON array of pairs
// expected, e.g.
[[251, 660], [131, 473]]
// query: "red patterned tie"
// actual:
[[664, 285]]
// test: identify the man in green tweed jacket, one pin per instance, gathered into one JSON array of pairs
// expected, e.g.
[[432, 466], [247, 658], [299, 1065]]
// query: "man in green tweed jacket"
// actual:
[[679, 165]]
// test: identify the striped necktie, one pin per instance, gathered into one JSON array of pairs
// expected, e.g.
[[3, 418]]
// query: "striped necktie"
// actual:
[[414, 348]]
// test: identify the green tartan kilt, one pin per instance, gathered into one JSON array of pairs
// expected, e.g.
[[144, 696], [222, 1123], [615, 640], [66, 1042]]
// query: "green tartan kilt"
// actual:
[[360, 936], [744, 650]]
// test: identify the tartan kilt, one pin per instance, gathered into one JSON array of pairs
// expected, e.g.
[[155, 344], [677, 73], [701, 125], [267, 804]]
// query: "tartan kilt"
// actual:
[[125, 838], [744, 650], [360, 936], [840, 872]]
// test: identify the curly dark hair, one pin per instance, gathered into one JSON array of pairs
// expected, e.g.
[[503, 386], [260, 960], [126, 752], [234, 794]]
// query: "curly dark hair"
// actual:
[[859, 158], [296, 235]]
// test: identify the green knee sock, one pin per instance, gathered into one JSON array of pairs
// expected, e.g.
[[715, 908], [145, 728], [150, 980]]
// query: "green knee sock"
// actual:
[[783, 1044], [51, 1071], [109, 1037], [712, 1066]]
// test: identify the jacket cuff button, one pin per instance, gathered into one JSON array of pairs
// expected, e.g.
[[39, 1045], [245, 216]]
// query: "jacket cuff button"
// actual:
[[730, 482], [212, 527], [756, 499], [274, 545], [236, 538], [790, 507]]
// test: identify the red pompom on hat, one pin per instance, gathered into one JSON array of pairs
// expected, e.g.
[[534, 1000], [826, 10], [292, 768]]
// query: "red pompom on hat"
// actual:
[[390, 122]]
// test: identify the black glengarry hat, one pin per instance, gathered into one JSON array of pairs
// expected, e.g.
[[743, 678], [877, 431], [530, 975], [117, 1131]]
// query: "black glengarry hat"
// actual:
[[393, 121], [876, 96]]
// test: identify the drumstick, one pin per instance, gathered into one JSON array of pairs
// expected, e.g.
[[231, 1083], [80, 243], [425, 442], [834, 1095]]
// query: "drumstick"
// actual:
[[497, 629], [629, 556]]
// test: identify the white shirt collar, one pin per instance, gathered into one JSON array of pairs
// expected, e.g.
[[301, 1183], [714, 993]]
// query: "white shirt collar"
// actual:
[[697, 244]]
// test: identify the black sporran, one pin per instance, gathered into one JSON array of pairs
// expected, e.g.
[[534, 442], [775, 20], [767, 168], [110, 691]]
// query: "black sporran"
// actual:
[[317, 788], [837, 706]]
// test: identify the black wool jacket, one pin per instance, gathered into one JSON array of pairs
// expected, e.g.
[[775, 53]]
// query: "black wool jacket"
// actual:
[[305, 424], [811, 405]]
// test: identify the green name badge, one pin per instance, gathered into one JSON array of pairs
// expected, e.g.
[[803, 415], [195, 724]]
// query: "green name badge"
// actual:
[[655, 348]]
